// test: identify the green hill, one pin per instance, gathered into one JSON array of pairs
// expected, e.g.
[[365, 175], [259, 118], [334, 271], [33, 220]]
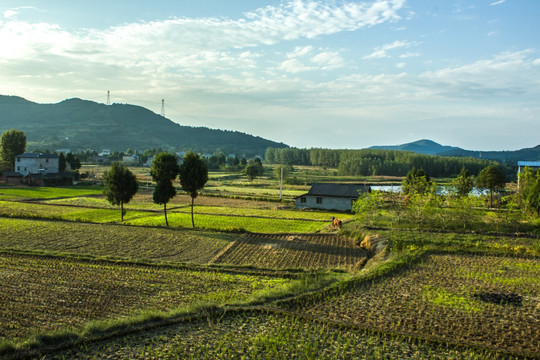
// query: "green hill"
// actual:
[[80, 124]]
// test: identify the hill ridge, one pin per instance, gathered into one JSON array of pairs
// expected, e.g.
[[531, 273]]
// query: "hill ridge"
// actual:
[[80, 124]]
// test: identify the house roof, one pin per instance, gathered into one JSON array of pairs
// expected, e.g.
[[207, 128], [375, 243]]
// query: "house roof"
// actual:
[[337, 190], [529, 163], [38, 156]]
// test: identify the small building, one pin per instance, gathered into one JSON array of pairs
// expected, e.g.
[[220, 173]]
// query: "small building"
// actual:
[[331, 196], [12, 178], [33, 163], [130, 159], [535, 165]]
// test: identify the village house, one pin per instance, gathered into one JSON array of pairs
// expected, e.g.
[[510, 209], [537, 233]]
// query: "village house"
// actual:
[[33, 163], [331, 196], [37, 169], [534, 165]]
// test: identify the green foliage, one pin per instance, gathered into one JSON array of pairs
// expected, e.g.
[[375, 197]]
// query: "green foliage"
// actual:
[[368, 206], [530, 185], [193, 175], [491, 178], [164, 170], [12, 143], [416, 182], [62, 164], [120, 186], [464, 183], [287, 170]]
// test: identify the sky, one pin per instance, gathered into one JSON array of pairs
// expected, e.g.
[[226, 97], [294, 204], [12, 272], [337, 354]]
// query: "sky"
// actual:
[[309, 73]]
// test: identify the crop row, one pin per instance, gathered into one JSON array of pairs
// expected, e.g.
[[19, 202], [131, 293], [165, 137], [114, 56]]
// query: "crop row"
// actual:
[[43, 294], [47, 192], [486, 301], [112, 240], [302, 251], [267, 336]]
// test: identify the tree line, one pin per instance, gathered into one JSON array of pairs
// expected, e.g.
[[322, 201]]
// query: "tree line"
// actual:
[[369, 162]]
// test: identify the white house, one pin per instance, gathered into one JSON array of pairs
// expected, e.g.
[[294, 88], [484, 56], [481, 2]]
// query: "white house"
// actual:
[[33, 163], [331, 196]]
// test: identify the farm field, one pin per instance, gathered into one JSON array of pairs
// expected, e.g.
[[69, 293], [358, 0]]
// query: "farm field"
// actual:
[[485, 301], [44, 293], [302, 251], [266, 335], [255, 280], [104, 240]]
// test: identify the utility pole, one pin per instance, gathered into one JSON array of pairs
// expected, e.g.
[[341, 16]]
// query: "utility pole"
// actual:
[[281, 185], [163, 107], [108, 97]]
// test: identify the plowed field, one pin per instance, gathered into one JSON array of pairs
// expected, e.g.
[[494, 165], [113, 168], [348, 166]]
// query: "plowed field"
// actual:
[[310, 251]]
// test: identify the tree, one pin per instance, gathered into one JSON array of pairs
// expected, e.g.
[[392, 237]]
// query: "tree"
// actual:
[[287, 169], [12, 143], [254, 168], [416, 182], [464, 183], [61, 162], [193, 176], [491, 178], [164, 170], [120, 185], [530, 184]]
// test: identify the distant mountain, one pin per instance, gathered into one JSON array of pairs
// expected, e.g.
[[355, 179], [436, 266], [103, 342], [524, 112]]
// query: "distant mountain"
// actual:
[[80, 124], [424, 146], [429, 147]]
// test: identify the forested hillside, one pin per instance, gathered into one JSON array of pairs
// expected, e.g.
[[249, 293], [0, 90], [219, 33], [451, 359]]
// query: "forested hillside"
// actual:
[[79, 125]]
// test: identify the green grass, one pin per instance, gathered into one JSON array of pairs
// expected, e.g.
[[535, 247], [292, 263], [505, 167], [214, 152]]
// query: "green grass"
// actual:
[[48, 192], [230, 223]]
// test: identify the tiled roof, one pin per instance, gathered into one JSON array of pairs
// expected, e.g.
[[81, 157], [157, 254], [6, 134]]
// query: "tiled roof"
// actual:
[[338, 190], [38, 156]]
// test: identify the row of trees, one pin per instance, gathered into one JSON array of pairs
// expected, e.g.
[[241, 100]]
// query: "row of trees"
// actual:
[[121, 184], [375, 162]]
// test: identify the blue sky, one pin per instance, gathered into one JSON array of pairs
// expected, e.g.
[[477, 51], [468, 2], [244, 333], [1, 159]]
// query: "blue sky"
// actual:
[[335, 74]]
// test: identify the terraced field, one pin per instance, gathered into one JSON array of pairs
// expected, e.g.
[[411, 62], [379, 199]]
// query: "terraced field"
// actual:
[[308, 251]]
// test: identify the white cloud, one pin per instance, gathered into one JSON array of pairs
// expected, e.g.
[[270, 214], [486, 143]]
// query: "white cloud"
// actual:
[[498, 2], [382, 51], [9, 13]]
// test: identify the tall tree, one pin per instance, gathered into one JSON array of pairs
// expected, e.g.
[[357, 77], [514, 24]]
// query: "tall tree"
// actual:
[[12, 143], [491, 178], [193, 177], [61, 162], [164, 170], [530, 185], [464, 183], [120, 185]]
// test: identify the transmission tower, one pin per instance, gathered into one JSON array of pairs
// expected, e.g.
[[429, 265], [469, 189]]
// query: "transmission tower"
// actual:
[[108, 97], [163, 107]]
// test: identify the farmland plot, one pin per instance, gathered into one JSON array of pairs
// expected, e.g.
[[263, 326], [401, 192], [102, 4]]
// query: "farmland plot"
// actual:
[[43, 294], [491, 302], [308, 251], [112, 240], [266, 336]]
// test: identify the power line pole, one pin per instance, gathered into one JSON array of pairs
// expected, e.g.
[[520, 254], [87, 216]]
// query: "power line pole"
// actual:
[[163, 107], [108, 97]]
